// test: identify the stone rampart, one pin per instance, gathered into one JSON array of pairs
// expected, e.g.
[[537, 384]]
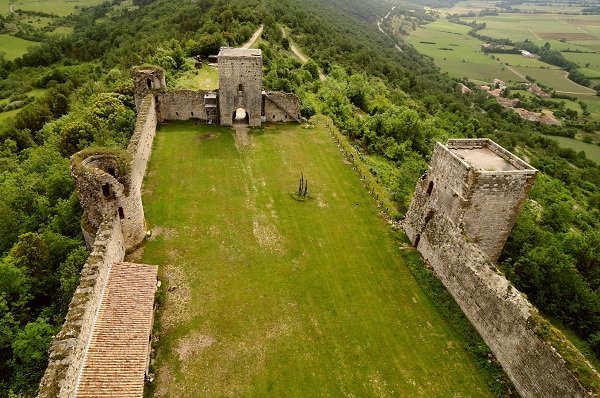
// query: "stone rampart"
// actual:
[[461, 214], [108, 182], [498, 311], [68, 347], [281, 107], [182, 105]]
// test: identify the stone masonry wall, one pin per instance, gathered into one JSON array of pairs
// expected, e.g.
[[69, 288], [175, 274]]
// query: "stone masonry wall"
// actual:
[[494, 203], [69, 345], [498, 311], [182, 105], [113, 237], [459, 219], [281, 107], [240, 72]]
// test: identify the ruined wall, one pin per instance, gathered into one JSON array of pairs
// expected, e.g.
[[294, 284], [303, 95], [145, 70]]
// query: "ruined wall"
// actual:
[[147, 80], [69, 345], [281, 107], [459, 219], [240, 85], [498, 311], [108, 182], [495, 202], [182, 105], [483, 204]]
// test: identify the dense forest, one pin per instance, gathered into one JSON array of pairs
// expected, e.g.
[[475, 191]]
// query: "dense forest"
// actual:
[[393, 105]]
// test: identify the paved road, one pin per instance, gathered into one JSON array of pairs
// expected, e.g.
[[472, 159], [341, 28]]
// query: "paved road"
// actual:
[[254, 37]]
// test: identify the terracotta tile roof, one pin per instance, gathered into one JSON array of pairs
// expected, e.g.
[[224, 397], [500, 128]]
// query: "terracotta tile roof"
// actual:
[[117, 356]]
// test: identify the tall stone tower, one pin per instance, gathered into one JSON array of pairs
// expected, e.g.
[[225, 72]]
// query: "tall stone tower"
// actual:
[[147, 79], [477, 185], [240, 84], [103, 183]]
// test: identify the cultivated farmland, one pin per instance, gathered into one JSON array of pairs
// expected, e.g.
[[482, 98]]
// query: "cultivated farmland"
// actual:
[[270, 296], [456, 52]]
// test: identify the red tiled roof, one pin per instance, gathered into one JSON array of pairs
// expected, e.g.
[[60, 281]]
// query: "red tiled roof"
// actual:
[[117, 356]]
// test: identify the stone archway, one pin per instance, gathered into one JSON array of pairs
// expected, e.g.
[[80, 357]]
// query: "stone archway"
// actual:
[[240, 117]]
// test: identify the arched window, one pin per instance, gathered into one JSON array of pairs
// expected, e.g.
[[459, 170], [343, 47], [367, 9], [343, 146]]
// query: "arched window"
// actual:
[[149, 83]]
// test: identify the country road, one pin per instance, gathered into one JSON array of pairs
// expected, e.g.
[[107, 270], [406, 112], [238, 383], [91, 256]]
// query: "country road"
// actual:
[[254, 37], [303, 58]]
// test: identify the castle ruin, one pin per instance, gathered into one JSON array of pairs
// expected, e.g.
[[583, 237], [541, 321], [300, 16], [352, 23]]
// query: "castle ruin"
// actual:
[[460, 217], [240, 88], [103, 347]]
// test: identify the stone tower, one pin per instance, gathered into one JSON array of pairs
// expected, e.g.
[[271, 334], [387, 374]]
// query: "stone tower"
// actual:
[[476, 184], [103, 182], [147, 79], [240, 84]]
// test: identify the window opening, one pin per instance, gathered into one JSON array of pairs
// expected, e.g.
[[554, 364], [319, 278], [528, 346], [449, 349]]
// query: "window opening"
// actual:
[[106, 190], [417, 239], [430, 188]]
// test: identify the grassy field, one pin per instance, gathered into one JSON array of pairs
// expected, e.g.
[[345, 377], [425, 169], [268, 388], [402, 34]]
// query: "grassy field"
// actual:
[[555, 78], [519, 60], [269, 296], [14, 47], [59, 7], [456, 52], [206, 78], [592, 151]]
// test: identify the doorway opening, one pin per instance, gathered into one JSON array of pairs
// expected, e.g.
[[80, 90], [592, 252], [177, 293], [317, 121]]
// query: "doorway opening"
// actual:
[[240, 116]]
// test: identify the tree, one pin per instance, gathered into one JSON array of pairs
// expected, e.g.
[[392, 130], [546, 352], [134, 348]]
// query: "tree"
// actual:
[[75, 136], [29, 354]]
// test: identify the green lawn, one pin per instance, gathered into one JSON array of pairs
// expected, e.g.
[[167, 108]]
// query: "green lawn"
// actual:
[[14, 47], [592, 151], [269, 296]]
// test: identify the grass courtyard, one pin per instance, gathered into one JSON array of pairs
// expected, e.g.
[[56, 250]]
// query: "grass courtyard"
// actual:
[[269, 296]]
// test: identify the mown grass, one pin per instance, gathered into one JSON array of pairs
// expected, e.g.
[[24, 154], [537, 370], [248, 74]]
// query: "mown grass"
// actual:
[[555, 78], [268, 296], [14, 47]]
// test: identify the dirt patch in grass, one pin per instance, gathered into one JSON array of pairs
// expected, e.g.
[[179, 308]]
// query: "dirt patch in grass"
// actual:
[[566, 36], [163, 380], [242, 138], [178, 299], [166, 233], [136, 255], [206, 136], [267, 236], [192, 345]]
